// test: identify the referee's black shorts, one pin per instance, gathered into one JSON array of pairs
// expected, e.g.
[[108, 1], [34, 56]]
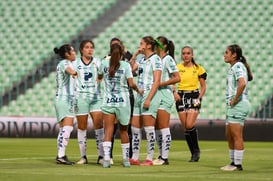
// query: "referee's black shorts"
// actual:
[[188, 101]]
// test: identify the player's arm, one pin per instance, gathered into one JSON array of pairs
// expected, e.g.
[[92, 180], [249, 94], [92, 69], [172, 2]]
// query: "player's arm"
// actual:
[[71, 71], [240, 88], [173, 80]]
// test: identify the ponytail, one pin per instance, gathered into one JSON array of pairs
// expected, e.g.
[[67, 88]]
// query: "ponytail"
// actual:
[[169, 45], [116, 54], [249, 73]]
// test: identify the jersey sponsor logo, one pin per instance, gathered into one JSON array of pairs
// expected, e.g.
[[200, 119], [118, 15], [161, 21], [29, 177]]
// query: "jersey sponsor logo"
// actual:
[[87, 76], [140, 70], [115, 100]]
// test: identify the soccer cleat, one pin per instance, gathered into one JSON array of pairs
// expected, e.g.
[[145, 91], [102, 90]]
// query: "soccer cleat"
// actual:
[[195, 157], [100, 160], [232, 167], [64, 160], [161, 161], [83, 160], [111, 161], [126, 163], [134, 162], [147, 163], [106, 164]]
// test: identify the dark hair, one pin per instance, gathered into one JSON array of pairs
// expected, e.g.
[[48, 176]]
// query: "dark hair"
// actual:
[[115, 39], [116, 55], [239, 57], [83, 43], [66, 48], [193, 61], [169, 45], [150, 41]]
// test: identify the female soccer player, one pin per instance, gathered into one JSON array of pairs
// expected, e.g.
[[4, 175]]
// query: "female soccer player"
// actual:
[[117, 76], [64, 99], [188, 98], [88, 99], [238, 105], [146, 105], [169, 77]]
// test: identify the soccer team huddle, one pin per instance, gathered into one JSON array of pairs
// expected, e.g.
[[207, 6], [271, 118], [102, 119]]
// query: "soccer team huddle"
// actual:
[[103, 89]]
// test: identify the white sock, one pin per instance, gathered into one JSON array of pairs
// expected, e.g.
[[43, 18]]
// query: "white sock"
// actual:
[[82, 138], [106, 148], [99, 134], [150, 136], [231, 155], [125, 151], [238, 157], [159, 141], [166, 142], [136, 141], [63, 139], [59, 143]]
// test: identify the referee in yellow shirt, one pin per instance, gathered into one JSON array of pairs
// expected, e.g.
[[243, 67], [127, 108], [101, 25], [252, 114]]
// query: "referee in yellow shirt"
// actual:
[[188, 98]]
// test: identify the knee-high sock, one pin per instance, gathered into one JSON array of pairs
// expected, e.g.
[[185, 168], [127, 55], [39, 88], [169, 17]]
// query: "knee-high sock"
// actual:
[[107, 148], [125, 151], [194, 136], [231, 155], [63, 139], [238, 157], [113, 139], [136, 141], [82, 138], [158, 134], [166, 142], [130, 141], [99, 134], [189, 141], [150, 136]]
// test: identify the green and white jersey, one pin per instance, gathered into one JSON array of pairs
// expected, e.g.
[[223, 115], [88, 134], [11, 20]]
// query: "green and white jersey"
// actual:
[[169, 67], [237, 71], [116, 92], [146, 67], [65, 82], [86, 83]]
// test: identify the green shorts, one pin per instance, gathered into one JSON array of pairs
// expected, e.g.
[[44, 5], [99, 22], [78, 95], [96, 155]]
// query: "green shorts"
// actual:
[[122, 113], [64, 107], [84, 106], [238, 113], [167, 100], [154, 105]]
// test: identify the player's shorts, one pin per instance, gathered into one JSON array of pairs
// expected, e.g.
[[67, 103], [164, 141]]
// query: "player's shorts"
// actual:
[[188, 100], [167, 100], [122, 113], [154, 105], [64, 107], [238, 112], [84, 106]]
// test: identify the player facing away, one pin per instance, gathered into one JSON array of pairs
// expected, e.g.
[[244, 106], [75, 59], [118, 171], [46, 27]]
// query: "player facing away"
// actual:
[[64, 100], [237, 103], [88, 99], [117, 75]]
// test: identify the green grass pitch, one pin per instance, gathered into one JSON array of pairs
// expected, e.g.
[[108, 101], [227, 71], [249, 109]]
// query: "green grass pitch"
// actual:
[[33, 160]]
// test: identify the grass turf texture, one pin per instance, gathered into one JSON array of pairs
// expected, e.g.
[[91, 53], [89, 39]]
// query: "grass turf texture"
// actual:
[[33, 159]]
